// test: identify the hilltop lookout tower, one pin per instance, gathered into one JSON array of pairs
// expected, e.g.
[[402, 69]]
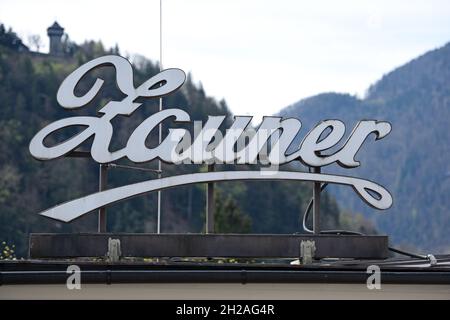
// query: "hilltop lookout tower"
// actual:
[[55, 32]]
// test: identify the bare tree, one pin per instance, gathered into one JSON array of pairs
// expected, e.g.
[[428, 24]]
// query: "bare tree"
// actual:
[[35, 41]]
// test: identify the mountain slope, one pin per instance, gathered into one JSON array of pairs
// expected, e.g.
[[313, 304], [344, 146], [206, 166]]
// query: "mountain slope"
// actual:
[[413, 160]]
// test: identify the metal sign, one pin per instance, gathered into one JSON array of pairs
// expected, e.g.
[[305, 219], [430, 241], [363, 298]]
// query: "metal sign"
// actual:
[[270, 144]]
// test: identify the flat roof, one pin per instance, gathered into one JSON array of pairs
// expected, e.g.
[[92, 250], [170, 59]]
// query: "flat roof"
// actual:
[[170, 270]]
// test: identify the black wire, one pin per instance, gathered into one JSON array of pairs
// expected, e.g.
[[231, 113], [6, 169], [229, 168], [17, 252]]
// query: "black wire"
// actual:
[[347, 232], [308, 209], [122, 166], [344, 232], [409, 254]]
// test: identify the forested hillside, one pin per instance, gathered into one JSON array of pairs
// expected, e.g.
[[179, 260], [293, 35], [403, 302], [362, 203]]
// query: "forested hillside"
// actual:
[[28, 86], [413, 160]]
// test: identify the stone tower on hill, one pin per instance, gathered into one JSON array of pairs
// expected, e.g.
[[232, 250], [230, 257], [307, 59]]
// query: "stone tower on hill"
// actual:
[[55, 33]]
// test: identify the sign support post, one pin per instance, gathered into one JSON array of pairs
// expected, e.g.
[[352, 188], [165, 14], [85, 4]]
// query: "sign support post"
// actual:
[[210, 204], [316, 201], [103, 181]]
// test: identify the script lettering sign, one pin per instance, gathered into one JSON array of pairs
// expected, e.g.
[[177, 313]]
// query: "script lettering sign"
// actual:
[[270, 144]]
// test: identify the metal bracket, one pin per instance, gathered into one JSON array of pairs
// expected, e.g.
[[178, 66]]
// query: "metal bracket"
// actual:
[[114, 251], [432, 259], [307, 251]]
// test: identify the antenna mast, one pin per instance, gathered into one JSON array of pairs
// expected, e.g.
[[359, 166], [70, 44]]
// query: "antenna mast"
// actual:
[[160, 109]]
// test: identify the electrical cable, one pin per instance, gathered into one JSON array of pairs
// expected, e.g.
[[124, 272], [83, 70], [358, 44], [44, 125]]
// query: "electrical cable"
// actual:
[[308, 210], [121, 166], [412, 255], [428, 257]]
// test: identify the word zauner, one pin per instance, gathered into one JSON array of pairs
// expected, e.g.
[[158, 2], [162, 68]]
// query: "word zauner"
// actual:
[[241, 144]]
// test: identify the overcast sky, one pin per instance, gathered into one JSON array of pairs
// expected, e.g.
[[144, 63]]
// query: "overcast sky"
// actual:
[[259, 55]]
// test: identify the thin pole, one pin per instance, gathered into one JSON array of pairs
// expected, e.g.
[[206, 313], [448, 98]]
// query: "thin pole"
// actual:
[[210, 203], [103, 181], [316, 208], [160, 109]]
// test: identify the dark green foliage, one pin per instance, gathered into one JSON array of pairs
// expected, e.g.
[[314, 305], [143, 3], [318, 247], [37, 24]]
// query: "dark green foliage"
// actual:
[[9, 39], [229, 217]]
